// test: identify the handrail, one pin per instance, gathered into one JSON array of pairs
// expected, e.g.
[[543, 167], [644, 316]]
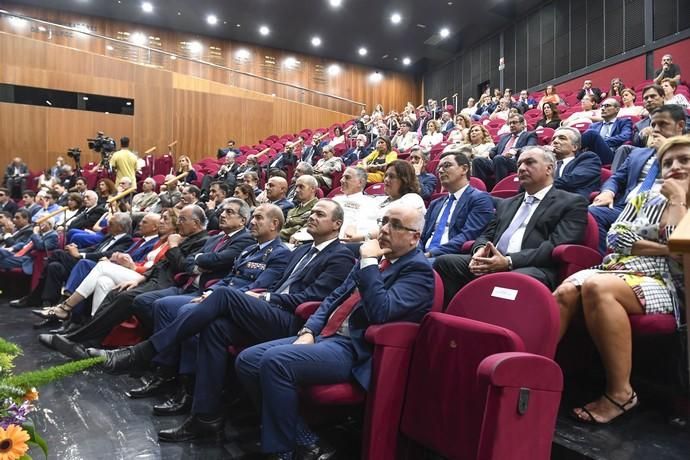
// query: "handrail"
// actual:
[[168, 53], [679, 242]]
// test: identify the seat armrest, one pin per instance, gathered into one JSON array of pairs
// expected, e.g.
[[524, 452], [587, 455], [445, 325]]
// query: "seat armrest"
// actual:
[[401, 334], [306, 309], [576, 254], [518, 370]]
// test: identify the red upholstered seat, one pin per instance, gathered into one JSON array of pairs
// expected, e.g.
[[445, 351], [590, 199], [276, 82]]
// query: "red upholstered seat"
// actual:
[[163, 165], [375, 189], [482, 383], [544, 135], [506, 187], [336, 191], [643, 325], [478, 183], [383, 402]]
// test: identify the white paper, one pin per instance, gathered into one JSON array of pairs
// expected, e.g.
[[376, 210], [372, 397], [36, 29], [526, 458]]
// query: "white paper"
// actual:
[[504, 293]]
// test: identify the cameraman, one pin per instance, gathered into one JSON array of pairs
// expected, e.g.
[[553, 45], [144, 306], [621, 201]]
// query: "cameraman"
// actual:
[[15, 177], [124, 162]]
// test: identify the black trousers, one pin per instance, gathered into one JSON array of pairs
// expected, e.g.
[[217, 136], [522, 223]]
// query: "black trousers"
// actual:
[[58, 267], [116, 308]]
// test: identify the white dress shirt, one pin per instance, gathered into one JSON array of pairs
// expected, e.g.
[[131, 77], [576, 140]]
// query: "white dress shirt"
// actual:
[[515, 244]]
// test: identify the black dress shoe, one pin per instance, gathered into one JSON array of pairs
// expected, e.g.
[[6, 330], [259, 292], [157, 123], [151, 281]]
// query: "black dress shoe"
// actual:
[[46, 340], [318, 451], [180, 403], [194, 429], [117, 361], [155, 386], [47, 323], [66, 328], [68, 348]]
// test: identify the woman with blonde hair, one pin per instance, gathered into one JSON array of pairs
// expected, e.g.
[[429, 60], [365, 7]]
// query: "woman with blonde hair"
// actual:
[[433, 136], [184, 164], [462, 126]]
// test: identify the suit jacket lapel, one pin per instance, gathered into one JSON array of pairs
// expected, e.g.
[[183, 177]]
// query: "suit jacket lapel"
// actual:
[[464, 198], [509, 214], [541, 209]]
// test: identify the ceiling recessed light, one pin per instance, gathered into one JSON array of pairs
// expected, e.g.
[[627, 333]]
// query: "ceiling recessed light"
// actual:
[[407, 61], [147, 7], [264, 30], [109, 47], [375, 77], [138, 38], [173, 57], [396, 18], [315, 41], [335, 3], [212, 19], [195, 47], [179, 13], [362, 51], [333, 69], [17, 22], [444, 32]]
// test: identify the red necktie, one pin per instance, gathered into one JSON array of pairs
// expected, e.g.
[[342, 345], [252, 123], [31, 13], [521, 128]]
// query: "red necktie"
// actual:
[[510, 143], [344, 309], [221, 243], [23, 251]]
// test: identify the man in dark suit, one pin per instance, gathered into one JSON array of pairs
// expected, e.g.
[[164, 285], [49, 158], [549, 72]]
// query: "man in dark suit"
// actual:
[[604, 137], [42, 238], [588, 90], [218, 191], [575, 171], [331, 347], [24, 230], [284, 159], [358, 152], [420, 123], [524, 231], [503, 157], [459, 216], [15, 177], [276, 192], [89, 216], [61, 262], [6, 203], [117, 306], [638, 172], [311, 153]]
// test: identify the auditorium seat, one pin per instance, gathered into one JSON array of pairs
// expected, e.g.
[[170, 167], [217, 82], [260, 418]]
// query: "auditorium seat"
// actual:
[[544, 135], [375, 189], [163, 165], [506, 187], [482, 383], [336, 191], [392, 344]]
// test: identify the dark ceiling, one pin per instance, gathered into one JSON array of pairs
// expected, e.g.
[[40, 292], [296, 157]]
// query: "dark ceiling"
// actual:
[[343, 30]]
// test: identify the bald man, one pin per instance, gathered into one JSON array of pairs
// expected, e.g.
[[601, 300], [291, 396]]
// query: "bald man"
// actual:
[[276, 192]]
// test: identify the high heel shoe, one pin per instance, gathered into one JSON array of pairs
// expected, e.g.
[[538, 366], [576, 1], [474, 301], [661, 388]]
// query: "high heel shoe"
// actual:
[[60, 312]]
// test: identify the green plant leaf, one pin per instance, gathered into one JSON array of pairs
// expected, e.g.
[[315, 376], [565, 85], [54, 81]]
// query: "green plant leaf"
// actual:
[[35, 379], [34, 437]]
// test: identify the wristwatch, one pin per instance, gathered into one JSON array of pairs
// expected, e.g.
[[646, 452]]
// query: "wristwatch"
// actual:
[[304, 330], [510, 262]]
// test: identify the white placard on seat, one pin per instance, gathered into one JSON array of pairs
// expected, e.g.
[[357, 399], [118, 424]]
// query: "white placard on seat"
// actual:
[[504, 293]]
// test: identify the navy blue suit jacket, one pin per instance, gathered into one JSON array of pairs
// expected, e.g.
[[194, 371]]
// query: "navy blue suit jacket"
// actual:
[[320, 277], [404, 292], [474, 211], [582, 175], [628, 175], [257, 269], [140, 253], [427, 184], [216, 261], [525, 139], [95, 252], [621, 132], [46, 242]]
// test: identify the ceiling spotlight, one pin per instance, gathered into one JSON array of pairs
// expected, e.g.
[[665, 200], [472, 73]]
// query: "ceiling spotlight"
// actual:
[[138, 38], [173, 57], [375, 77], [333, 69], [212, 19], [264, 30], [147, 7], [42, 29], [362, 51], [315, 41], [195, 47], [109, 47], [335, 3], [444, 32], [242, 53], [407, 61], [396, 18]]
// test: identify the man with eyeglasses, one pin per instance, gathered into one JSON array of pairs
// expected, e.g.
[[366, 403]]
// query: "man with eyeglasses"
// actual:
[[589, 90], [524, 231], [458, 216], [668, 70], [604, 137], [231, 316], [503, 157], [392, 282]]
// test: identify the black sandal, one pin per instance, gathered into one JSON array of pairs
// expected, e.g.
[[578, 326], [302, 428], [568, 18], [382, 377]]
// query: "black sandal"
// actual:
[[591, 420], [52, 312]]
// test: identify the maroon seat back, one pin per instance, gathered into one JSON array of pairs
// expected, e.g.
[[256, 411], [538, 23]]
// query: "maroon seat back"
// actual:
[[375, 189], [510, 183]]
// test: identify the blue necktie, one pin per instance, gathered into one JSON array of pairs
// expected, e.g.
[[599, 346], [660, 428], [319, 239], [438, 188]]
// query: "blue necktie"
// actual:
[[442, 223], [297, 270], [651, 177], [519, 218]]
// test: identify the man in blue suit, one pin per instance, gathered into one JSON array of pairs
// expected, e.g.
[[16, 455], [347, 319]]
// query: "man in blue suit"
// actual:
[[575, 172], [503, 157], [331, 348], [638, 172], [459, 216], [604, 137]]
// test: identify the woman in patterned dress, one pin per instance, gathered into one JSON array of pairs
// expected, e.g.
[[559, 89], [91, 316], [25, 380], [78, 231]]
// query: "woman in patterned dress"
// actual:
[[640, 277]]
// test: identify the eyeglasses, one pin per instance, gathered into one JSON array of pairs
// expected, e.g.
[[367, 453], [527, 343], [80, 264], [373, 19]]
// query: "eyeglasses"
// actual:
[[446, 165], [395, 225], [603, 106]]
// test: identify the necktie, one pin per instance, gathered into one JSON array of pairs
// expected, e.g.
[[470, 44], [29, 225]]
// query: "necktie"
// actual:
[[557, 172], [519, 219], [442, 223], [221, 243], [105, 244], [510, 143], [24, 251], [135, 246], [606, 129], [296, 271], [344, 309], [651, 177]]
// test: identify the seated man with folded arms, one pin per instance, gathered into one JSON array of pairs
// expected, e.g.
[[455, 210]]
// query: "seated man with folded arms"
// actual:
[[331, 348], [360, 211], [459, 216], [604, 137], [230, 316], [326, 167], [524, 231], [147, 199]]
